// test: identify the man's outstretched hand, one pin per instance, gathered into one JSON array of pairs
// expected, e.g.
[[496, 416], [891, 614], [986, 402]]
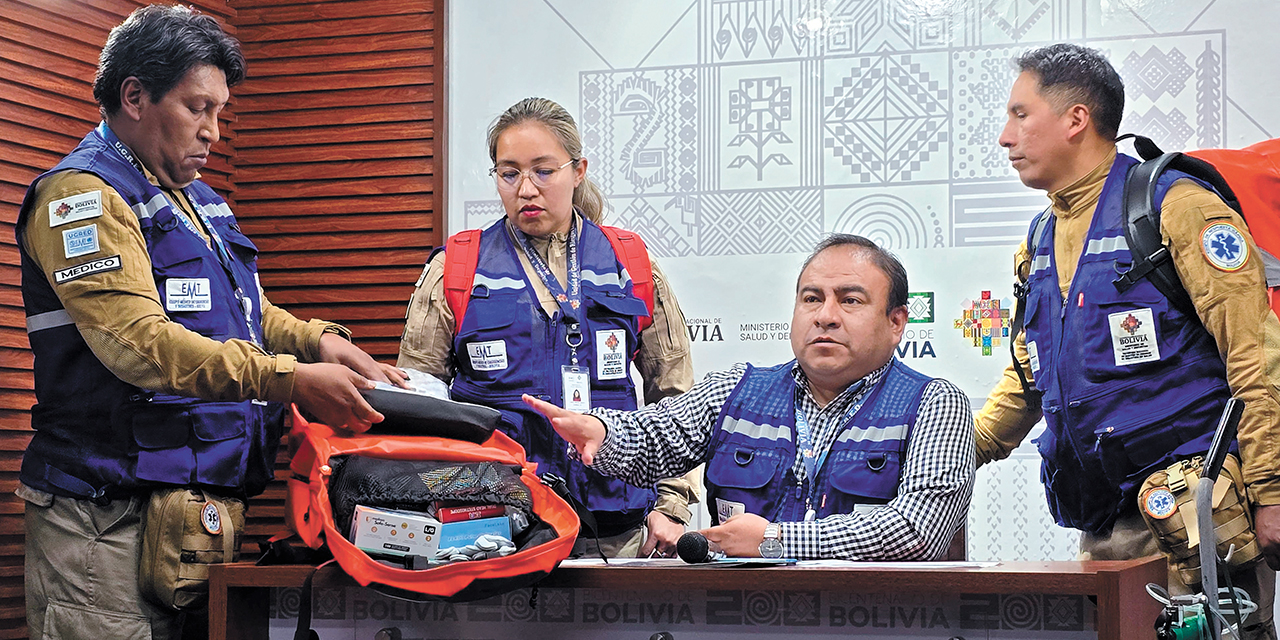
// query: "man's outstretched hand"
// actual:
[[584, 432]]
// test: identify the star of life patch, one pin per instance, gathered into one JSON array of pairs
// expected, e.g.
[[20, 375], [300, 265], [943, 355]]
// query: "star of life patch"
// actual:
[[210, 520], [1133, 337], [1159, 503], [78, 207], [80, 241], [1224, 246], [101, 265]]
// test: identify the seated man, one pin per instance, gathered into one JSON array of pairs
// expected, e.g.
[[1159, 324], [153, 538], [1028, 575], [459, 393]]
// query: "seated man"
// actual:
[[844, 452]]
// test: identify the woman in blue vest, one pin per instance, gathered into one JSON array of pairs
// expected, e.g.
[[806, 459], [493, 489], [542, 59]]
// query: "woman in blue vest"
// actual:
[[548, 302]]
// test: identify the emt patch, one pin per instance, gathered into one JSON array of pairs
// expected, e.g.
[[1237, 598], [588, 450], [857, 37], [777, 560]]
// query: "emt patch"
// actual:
[[187, 294], [78, 207], [1159, 503], [101, 265], [80, 241], [1224, 246], [488, 356]]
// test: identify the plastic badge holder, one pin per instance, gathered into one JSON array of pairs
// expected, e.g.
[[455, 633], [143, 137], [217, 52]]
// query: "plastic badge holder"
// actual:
[[416, 413]]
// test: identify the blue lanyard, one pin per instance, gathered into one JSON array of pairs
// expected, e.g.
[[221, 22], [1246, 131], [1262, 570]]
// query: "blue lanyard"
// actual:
[[813, 461], [219, 248], [570, 302]]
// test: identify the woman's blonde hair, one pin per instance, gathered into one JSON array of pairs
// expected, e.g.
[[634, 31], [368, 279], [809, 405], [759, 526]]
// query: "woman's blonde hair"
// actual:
[[587, 196]]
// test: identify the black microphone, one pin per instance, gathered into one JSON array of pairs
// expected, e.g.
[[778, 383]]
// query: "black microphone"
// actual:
[[693, 547]]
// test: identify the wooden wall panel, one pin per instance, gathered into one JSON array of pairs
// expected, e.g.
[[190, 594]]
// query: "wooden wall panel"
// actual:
[[335, 160]]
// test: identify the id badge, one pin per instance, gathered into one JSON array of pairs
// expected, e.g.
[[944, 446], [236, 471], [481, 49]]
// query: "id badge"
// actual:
[[576, 383]]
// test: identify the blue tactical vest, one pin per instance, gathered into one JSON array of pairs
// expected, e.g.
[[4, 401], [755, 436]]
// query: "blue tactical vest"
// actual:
[[1130, 382], [754, 451], [504, 317], [99, 437]]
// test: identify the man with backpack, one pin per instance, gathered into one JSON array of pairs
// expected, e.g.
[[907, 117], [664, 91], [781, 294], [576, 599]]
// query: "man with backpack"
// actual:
[[1129, 381]]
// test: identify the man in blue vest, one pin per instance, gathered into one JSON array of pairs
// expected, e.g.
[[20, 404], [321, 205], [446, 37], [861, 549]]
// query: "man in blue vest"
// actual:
[[159, 362], [1128, 382], [844, 452]]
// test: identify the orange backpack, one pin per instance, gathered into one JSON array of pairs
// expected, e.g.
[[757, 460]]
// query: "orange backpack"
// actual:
[[309, 511], [463, 255], [1248, 180]]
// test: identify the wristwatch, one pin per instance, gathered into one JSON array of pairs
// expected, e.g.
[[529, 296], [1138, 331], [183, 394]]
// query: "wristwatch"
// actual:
[[771, 546]]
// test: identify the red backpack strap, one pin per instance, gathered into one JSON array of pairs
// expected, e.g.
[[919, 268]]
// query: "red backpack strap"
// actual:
[[630, 249], [461, 257]]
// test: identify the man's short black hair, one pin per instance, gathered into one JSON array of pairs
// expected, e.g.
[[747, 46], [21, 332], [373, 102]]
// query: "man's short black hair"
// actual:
[[159, 44], [885, 261], [1070, 74]]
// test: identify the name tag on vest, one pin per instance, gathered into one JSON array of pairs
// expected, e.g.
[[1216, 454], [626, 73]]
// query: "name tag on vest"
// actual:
[[1133, 337], [488, 356], [187, 294], [611, 354]]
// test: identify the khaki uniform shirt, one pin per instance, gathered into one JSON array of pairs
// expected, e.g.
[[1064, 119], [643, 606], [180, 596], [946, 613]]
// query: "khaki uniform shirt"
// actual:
[[663, 361], [121, 318], [1232, 306]]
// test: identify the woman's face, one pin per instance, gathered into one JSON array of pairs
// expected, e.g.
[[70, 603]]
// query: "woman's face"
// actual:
[[534, 181]]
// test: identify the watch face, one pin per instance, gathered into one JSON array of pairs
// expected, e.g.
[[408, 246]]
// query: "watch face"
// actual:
[[771, 548]]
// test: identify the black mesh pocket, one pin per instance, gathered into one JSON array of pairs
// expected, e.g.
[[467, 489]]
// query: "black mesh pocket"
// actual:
[[412, 485]]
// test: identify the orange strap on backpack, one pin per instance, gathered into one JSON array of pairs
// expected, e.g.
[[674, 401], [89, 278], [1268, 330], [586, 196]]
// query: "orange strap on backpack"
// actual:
[[462, 256]]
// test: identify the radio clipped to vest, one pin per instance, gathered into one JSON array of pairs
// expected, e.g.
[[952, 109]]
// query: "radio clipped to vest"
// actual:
[[1167, 503]]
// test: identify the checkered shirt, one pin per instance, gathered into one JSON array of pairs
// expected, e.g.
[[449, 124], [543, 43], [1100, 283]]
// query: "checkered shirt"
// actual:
[[671, 437]]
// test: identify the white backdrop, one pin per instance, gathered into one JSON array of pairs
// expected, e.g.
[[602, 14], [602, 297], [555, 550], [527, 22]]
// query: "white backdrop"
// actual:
[[732, 134]]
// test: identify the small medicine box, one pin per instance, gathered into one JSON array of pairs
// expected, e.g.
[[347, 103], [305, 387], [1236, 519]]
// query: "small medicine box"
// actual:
[[394, 533]]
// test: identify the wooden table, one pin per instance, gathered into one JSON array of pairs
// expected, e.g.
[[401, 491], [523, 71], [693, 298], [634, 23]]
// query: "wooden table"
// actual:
[[238, 600]]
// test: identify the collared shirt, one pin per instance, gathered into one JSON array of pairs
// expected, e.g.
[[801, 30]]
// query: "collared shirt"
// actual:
[[674, 436], [1233, 308], [664, 359], [120, 315]]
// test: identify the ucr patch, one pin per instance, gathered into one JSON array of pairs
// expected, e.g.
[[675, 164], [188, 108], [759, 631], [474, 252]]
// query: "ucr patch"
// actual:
[[1224, 246], [1159, 503], [210, 520]]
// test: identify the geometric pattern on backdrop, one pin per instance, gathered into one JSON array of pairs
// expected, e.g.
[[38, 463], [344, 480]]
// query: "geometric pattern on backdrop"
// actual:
[[755, 30], [759, 106], [981, 79], [857, 26], [885, 118], [478, 214], [1008, 497], [891, 221], [666, 223], [759, 222], [990, 22], [1173, 87], [639, 129], [993, 213]]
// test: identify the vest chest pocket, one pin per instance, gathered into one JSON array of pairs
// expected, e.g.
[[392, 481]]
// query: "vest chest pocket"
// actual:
[[604, 304], [494, 346], [240, 244], [739, 473], [863, 477], [610, 329], [1120, 338]]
